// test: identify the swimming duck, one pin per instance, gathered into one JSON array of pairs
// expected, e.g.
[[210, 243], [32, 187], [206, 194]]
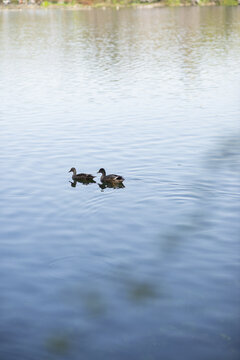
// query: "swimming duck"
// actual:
[[82, 176], [112, 178]]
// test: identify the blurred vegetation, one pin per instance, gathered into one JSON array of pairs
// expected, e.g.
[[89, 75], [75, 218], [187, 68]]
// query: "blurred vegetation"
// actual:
[[229, 2], [117, 3], [58, 344], [142, 292]]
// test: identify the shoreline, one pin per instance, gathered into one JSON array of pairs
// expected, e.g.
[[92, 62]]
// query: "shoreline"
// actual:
[[118, 5]]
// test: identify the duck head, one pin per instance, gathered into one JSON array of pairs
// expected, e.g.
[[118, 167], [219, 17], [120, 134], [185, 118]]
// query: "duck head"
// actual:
[[102, 171], [72, 170]]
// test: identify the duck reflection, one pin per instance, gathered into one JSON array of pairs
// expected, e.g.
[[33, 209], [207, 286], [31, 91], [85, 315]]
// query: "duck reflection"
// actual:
[[112, 186], [83, 182]]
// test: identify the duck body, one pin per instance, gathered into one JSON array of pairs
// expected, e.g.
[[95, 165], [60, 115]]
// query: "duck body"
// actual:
[[81, 177], [111, 178]]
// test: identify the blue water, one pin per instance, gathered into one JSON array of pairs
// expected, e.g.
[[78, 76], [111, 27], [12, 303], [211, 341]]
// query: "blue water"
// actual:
[[149, 271]]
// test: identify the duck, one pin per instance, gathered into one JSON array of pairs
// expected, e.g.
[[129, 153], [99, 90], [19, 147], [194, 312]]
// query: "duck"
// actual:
[[81, 177], [111, 178]]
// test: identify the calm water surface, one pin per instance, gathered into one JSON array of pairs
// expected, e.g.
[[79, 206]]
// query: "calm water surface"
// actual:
[[149, 271]]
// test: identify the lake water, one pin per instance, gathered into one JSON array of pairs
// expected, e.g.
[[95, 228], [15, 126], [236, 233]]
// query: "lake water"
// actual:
[[149, 271]]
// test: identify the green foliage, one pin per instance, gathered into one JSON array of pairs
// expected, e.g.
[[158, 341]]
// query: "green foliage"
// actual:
[[45, 4], [98, 5], [204, 2], [229, 2], [173, 2]]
